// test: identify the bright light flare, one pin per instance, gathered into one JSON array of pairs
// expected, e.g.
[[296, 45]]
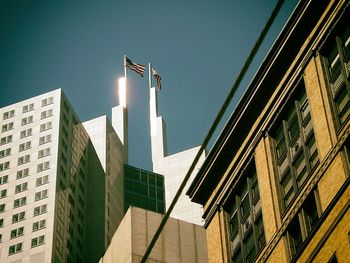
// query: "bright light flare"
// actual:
[[122, 91]]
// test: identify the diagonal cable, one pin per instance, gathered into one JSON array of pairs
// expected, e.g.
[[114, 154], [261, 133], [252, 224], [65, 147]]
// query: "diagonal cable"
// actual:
[[214, 125]]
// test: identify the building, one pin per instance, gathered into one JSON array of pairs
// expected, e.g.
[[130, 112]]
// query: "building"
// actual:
[[179, 242], [275, 186], [174, 167], [106, 183], [143, 189], [53, 180]]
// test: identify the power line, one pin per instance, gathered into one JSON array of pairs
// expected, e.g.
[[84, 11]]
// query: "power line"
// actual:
[[215, 124]]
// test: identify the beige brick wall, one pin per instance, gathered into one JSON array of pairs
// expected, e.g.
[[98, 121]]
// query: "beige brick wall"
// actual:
[[266, 189], [279, 253], [338, 241], [331, 181], [320, 113], [214, 241]]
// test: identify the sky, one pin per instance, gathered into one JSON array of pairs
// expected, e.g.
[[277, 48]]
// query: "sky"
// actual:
[[197, 46]]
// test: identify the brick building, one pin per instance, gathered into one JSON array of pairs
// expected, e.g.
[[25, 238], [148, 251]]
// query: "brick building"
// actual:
[[275, 186]]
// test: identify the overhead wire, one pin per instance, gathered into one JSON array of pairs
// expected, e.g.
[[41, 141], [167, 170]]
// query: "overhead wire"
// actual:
[[215, 124]]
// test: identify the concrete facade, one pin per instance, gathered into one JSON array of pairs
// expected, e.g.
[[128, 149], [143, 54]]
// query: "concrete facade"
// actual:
[[179, 242], [295, 120], [174, 167]]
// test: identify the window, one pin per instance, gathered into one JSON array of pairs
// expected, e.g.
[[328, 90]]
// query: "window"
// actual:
[[25, 146], [21, 187], [26, 133], [43, 153], [3, 193], [7, 127], [47, 101], [2, 208], [28, 107], [46, 114], [6, 139], [22, 173], [246, 230], [23, 159], [17, 232], [43, 166], [45, 126], [27, 120], [45, 139], [5, 153], [18, 217], [40, 210], [8, 114], [4, 166], [37, 241], [39, 225], [4, 179], [1, 222], [306, 219], [336, 54], [295, 146], [42, 180], [15, 249], [40, 195], [19, 202]]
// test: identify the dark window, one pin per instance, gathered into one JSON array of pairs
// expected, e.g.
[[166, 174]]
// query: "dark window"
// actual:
[[337, 62], [295, 145], [294, 235], [245, 222]]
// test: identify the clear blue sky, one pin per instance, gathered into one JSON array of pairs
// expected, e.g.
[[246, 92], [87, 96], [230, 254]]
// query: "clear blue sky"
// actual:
[[198, 48]]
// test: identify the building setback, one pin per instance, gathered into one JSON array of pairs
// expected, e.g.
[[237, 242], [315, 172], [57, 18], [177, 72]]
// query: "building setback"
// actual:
[[275, 186]]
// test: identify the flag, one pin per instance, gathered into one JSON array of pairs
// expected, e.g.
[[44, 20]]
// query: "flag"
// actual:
[[138, 68], [157, 77]]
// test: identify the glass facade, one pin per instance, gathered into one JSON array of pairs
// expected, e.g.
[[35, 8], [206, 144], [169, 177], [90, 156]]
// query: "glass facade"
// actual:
[[143, 189]]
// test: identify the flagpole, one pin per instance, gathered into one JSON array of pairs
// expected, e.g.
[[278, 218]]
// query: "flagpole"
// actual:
[[125, 66], [149, 75]]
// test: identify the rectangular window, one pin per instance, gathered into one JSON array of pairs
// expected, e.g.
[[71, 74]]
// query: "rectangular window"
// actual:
[[7, 127], [17, 232], [43, 166], [42, 180], [4, 179], [337, 64], [2, 208], [295, 146], [1, 222], [39, 225], [45, 139], [27, 120], [15, 249], [37, 241], [47, 101], [18, 217], [43, 153], [25, 146], [22, 173], [41, 195], [4, 166], [5, 140], [8, 114], [245, 222], [28, 107], [294, 235], [5, 153], [21, 187], [25, 133], [45, 126], [40, 210], [23, 159], [46, 114], [3, 193], [20, 202]]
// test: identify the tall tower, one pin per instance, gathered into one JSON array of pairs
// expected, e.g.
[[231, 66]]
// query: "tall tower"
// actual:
[[174, 167]]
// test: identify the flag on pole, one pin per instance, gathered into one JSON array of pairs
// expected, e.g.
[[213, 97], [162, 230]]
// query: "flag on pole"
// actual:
[[138, 68], [157, 77]]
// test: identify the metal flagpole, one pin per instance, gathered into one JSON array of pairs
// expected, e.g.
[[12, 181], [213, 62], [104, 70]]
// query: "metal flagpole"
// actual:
[[125, 67], [149, 76]]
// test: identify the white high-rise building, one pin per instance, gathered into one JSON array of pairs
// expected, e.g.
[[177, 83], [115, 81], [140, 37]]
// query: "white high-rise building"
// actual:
[[174, 167], [57, 199]]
